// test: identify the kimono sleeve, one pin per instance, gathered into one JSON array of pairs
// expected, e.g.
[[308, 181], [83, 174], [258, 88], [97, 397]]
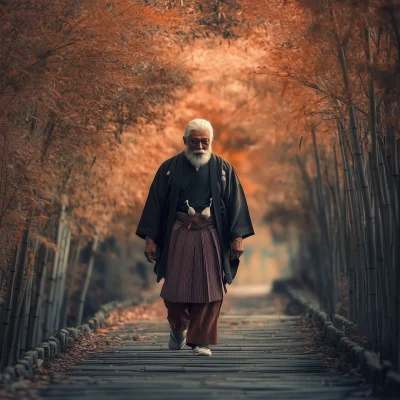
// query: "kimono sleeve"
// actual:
[[150, 221], [239, 220]]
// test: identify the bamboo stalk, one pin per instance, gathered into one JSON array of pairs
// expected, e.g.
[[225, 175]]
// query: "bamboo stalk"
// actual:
[[362, 270], [354, 272], [27, 307], [350, 259], [396, 260], [326, 239], [340, 213], [5, 325], [396, 307], [396, 177], [64, 310], [17, 340], [35, 295], [29, 328], [2, 307], [370, 232], [388, 237], [60, 267], [87, 281], [316, 264], [43, 332], [396, 249], [16, 300], [384, 318], [61, 296], [37, 331], [334, 220], [73, 261], [58, 276], [334, 248], [29, 295], [48, 328]]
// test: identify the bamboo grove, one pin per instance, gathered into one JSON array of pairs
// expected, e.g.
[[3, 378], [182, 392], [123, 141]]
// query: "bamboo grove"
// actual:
[[339, 63]]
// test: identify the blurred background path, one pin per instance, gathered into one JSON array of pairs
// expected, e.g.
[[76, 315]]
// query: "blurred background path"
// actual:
[[262, 354]]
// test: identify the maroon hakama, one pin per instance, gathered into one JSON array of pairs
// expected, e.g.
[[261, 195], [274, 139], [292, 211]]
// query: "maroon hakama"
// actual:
[[192, 290], [194, 267]]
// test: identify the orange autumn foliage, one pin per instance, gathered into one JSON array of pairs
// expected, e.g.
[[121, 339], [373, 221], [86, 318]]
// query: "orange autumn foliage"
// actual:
[[74, 76]]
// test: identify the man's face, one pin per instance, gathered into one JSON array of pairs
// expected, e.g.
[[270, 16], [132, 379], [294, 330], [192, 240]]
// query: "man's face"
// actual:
[[198, 142]]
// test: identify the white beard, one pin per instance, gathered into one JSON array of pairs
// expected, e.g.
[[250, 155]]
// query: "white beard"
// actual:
[[198, 157]]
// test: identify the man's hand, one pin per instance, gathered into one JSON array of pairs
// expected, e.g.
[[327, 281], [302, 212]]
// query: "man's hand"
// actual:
[[236, 248], [150, 250]]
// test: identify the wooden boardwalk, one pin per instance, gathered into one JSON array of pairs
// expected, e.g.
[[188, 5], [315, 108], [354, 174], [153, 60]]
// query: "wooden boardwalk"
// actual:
[[261, 355]]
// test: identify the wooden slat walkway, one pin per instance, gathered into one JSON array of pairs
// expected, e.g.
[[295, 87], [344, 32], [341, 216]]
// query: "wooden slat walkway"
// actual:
[[260, 355]]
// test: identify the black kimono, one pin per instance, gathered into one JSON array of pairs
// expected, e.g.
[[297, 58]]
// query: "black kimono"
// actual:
[[229, 205]]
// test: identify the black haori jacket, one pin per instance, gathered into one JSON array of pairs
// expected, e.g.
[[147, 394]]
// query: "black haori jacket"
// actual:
[[229, 204]]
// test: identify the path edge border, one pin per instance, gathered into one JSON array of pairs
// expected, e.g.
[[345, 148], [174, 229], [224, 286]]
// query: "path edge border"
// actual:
[[376, 372], [64, 339]]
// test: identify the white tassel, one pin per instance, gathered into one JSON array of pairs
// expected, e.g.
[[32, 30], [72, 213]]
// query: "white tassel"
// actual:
[[206, 213], [191, 210]]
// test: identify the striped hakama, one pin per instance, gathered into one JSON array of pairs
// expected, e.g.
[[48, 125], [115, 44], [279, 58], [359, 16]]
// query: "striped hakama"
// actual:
[[194, 267]]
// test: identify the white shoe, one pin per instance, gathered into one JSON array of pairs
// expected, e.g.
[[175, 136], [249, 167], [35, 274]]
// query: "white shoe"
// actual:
[[201, 351], [177, 342]]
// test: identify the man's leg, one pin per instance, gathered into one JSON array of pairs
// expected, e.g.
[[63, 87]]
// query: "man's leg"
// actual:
[[203, 326], [178, 318]]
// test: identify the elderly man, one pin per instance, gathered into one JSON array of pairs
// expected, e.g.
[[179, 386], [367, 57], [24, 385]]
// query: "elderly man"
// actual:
[[194, 221]]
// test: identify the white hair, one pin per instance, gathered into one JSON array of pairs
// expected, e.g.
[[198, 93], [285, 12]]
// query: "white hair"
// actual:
[[199, 125]]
